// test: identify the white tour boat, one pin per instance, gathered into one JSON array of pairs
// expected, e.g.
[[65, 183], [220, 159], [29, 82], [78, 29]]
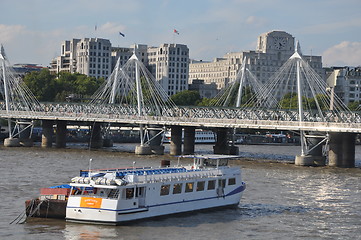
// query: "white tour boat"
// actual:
[[200, 137], [114, 196]]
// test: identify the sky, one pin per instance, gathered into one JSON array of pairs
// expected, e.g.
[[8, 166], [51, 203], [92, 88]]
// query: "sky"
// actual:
[[32, 31]]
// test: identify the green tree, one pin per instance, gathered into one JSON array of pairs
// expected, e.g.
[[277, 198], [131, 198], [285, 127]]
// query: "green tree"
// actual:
[[186, 98], [41, 84], [354, 106], [47, 87], [205, 102]]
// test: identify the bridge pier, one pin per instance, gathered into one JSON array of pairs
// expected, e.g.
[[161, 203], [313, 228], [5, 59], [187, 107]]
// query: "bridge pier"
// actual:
[[342, 150], [176, 140], [222, 146], [25, 126], [314, 157], [60, 137], [96, 138], [156, 141], [11, 142], [189, 140], [47, 134]]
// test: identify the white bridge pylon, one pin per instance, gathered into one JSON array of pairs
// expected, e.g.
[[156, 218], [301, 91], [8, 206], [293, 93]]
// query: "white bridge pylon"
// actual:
[[296, 86], [16, 95], [133, 85], [236, 93]]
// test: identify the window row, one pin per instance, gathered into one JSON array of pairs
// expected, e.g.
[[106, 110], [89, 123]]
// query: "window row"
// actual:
[[199, 186]]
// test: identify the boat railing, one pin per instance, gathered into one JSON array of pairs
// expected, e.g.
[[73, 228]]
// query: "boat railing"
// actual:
[[185, 175]]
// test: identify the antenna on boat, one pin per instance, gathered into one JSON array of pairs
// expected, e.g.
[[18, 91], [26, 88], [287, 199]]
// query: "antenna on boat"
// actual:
[[90, 166]]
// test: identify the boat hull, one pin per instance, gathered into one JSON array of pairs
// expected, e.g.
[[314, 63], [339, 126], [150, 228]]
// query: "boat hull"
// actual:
[[52, 208], [114, 216]]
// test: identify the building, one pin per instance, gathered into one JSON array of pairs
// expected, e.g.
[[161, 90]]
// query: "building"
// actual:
[[24, 68], [66, 62], [273, 50], [123, 54], [89, 56], [205, 90], [169, 64], [346, 83]]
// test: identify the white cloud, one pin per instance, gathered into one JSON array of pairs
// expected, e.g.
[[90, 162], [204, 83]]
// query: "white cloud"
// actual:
[[256, 21], [111, 28], [343, 54], [10, 32]]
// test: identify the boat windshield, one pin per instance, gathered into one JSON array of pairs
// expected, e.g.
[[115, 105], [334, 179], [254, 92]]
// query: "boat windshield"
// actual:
[[215, 162], [96, 192]]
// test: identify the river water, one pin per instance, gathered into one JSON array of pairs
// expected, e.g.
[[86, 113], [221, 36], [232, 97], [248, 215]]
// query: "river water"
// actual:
[[282, 201]]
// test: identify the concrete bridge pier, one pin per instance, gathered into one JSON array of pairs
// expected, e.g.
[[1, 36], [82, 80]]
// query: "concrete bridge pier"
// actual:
[[156, 142], [315, 156], [189, 140], [60, 136], [47, 134], [96, 138], [25, 126], [222, 146], [342, 150], [176, 140]]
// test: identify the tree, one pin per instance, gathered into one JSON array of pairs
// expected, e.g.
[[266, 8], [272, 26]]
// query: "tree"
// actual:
[[47, 87], [205, 102], [186, 98], [354, 106], [41, 84]]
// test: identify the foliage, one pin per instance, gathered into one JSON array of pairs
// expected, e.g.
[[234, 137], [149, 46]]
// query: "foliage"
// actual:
[[354, 106], [48, 87], [205, 102], [42, 84], [290, 101], [186, 98]]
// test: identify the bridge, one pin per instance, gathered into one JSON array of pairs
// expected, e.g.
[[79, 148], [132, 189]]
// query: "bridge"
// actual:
[[131, 96]]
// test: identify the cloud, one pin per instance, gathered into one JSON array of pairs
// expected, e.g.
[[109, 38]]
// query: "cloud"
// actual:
[[111, 28], [343, 54], [256, 21], [10, 32]]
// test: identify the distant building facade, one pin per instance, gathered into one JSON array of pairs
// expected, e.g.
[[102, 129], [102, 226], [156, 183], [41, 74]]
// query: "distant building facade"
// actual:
[[25, 68], [205, 90], [346, 83], [89, 56], [273, 50], [169, 64]]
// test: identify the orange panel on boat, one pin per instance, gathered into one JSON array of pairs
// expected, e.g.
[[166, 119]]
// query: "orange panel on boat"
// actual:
[[89, 202]]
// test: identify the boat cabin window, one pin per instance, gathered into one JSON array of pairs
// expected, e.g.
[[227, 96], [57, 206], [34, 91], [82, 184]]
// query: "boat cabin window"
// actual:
[[200, 186], [164, 190], [129, 193], [113, 193], [211, 184], [232, 181], [215, 162], [177, 188], [189, 187]]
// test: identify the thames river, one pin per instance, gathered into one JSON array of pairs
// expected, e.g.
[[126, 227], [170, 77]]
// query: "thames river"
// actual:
[[282, 201]]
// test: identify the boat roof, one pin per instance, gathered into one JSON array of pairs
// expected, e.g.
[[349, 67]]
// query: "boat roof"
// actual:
[[209, 156]]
